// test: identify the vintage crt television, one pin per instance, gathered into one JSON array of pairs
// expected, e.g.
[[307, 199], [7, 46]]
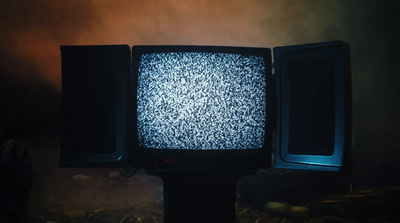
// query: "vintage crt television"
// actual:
[[206, 108], [201, 107]]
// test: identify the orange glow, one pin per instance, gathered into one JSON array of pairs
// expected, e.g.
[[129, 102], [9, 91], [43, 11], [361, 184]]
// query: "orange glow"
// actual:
[[33, 38]]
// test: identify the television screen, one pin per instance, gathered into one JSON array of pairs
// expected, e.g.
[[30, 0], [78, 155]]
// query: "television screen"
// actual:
[[201, 107], [201, 101]]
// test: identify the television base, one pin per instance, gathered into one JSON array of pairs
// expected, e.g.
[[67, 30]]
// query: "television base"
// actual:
[[199, 197]]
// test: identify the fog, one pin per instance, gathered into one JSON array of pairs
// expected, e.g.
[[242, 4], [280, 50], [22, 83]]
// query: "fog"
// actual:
[[31, 33]]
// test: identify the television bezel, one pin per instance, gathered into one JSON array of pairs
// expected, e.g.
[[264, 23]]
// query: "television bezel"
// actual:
[[200, 160]]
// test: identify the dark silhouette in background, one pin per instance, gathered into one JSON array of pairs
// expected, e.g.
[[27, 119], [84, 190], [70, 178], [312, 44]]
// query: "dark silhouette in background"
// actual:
[[15, 179]]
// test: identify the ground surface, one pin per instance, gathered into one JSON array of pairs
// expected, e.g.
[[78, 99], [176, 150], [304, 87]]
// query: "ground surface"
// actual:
[[102, 195]]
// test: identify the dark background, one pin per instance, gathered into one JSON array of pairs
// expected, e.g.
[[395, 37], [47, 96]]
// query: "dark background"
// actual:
[[32, 31]]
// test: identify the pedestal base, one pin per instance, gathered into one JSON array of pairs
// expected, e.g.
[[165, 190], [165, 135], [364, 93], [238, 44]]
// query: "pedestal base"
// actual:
[[199, 197]]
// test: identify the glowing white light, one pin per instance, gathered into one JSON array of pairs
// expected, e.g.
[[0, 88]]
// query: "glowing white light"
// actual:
[[189, 100]]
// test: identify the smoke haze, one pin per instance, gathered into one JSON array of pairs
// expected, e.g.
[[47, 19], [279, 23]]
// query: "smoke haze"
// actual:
[[32, 31]]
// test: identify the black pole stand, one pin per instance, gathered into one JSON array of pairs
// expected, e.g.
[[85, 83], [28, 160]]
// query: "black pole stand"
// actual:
[[199, 197]]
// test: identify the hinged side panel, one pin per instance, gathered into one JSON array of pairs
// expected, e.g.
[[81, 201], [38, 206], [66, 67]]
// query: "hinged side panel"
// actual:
[[95, 91], [313, 106]]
